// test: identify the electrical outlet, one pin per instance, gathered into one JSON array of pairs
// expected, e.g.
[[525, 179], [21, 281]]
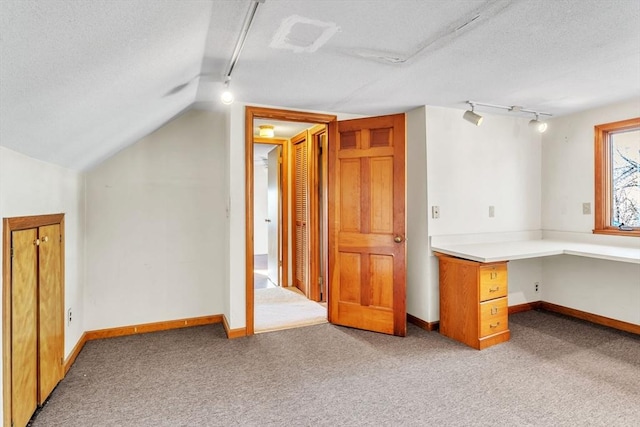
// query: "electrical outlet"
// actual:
[[435, 212], [537, 286], [492, 211], [69, 317], [586, 208]]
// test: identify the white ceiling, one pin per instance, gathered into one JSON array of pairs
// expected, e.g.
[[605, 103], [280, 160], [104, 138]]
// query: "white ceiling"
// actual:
[[82, 79]]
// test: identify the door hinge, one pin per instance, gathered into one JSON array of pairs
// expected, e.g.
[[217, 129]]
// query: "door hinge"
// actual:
[[12, 252], [320, 280]]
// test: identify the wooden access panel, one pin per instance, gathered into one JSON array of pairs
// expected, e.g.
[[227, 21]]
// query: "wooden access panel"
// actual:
[[33, 315], [367, 225], [51, 322], [24, 342]]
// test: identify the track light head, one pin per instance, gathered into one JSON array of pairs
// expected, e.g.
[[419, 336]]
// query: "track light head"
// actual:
[[472, 117], [538, 125], [227, 98]]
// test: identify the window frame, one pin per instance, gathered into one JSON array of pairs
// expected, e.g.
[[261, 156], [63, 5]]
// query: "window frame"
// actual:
[[603, 184]]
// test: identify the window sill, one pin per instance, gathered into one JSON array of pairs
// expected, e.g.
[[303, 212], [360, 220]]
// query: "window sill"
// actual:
[[618, 232]]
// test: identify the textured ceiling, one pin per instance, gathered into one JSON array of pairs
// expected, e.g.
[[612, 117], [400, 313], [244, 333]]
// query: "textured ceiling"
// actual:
[[82, 79]]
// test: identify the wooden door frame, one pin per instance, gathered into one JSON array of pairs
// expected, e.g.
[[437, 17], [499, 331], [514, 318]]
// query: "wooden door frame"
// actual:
[[252, 113], [10, 225], [284, 205], [317, 241]]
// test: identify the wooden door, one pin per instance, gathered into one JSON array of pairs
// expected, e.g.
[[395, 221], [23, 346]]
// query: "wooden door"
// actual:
[[274, 161], [51, 322], [24, 341], [367, 225], [301, 214]]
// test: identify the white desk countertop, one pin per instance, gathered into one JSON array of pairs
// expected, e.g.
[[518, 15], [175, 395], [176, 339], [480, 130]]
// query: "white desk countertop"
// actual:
[[523, 249]]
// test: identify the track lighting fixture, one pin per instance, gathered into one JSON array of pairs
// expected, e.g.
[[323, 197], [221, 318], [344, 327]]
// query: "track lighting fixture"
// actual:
[[538, 125], [227, 97], [471, 116]]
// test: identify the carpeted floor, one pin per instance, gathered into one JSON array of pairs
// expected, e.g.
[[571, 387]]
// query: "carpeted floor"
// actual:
[[555, 371], [284, 308]]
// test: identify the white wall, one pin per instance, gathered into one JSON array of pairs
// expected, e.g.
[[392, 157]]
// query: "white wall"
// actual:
[[156, 227], [32, 187], [470, 168], [418, 291], [608, 288], [260, 227], [568, 166]]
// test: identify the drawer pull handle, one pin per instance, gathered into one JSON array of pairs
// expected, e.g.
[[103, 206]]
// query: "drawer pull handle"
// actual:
[[494, 325], [495, 289], [494, 310], [493, 275]]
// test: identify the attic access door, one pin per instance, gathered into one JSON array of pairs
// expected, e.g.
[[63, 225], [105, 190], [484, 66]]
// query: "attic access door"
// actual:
[[33, 323], [367, 225]]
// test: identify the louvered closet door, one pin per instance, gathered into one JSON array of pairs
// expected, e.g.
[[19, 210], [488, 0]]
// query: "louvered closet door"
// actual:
[[301, 215], [24, 328]]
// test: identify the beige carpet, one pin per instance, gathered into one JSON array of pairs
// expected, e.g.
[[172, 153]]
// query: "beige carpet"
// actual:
[[280, 308]]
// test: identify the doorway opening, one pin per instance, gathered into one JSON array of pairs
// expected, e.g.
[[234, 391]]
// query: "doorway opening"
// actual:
[[302, 237], [271, 230]]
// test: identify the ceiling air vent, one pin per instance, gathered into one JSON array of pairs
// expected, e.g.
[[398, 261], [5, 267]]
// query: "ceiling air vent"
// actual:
[[301, 34]]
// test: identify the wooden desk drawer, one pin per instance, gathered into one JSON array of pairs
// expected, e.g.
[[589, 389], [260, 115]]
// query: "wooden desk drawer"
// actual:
[[494, 317], [493, 282]]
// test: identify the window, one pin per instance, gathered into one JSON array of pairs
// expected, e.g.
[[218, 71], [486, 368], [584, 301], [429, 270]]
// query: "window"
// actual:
[[617, 173]]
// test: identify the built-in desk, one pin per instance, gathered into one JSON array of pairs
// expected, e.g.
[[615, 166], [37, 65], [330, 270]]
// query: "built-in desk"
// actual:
[[462, 314], [523, 249]]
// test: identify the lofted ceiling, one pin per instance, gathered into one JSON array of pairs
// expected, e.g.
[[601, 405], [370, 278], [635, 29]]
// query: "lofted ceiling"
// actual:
[[82, 79]]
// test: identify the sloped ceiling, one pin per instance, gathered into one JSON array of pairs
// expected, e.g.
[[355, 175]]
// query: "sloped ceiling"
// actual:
[[82, 79]]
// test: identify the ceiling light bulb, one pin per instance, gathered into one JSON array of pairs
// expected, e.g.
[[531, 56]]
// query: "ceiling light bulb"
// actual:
[[227, 98], [472, 117], [266, 131]]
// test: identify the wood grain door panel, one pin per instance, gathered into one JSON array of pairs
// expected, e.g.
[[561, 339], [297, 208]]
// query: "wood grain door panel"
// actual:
[[366, 216], [24, 341], [51, 327]]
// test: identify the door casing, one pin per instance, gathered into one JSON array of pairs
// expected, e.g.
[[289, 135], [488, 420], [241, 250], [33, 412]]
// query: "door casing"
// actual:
[[252, 113]]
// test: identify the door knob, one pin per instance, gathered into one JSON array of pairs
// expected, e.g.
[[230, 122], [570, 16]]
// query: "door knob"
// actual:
[[398, 239], [267, 220]]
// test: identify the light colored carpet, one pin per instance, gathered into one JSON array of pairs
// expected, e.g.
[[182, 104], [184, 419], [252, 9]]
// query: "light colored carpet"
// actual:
[[280, 308], [555, 372]]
